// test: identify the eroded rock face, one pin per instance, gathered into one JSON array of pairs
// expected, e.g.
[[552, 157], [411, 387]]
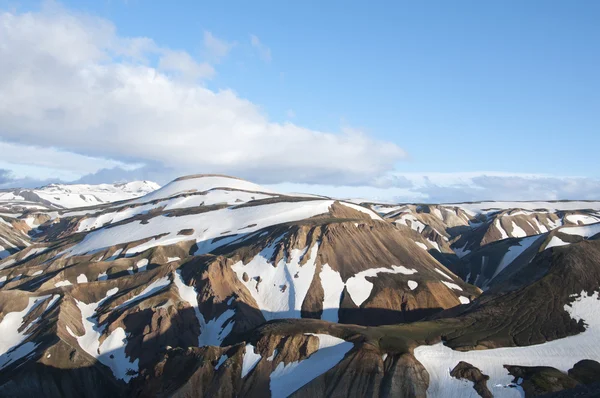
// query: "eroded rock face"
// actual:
[[62, 371], [326, 270], [358, 370], [13, 236], [406, 377]]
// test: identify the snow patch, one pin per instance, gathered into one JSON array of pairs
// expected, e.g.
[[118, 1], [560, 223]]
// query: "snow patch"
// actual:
[[461, 251], [142, 264], [541, 227], [445, 275], [518, 232], [360, 288], [415, 224], [584, 231], [581, 219], [333, 286], [555, 242], [362, 209], [452, 285], [503, 234], [151, 289], [250, 360], [434, 244], [221, 361], [421, 245]]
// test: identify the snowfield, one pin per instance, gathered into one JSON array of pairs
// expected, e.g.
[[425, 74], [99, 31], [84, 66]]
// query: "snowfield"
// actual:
[[484, 207], [70, 196], [412, 221], [561, 354], [585, 232], [208, 226]]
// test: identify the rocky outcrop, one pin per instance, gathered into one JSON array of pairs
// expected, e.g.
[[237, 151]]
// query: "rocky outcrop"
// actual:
[[466, 371], [362, 371], [586, 371], [540, 380]]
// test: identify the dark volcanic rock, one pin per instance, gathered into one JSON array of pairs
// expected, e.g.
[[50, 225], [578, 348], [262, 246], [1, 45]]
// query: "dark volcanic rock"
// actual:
[[586, 371], [540, 380]]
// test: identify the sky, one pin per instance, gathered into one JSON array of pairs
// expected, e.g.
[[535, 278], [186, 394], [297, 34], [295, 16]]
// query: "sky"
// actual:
[[398, 101]]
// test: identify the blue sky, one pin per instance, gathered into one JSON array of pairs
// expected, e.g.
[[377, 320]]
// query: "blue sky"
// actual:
[[516, 76], [496, 88]]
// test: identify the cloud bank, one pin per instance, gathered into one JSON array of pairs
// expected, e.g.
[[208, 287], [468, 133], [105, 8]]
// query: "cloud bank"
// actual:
[[460, 187], [71, 82]]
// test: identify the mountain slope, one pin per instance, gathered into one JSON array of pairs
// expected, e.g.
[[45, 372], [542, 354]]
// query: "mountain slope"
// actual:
[[214, 286], [206, 260]]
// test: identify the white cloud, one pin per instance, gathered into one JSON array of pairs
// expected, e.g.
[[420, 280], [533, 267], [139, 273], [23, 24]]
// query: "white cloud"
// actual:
[[70, 82], [263, 51], [216, 48], [48, 158], [513, 187], [182, 64], [459, 187]]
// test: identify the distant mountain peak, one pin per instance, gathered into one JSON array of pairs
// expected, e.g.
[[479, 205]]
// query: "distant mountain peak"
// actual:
[[70, 196]]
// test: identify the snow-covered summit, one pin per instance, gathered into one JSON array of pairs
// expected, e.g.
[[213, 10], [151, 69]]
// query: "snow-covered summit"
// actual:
[[68, 196], [202, 183]]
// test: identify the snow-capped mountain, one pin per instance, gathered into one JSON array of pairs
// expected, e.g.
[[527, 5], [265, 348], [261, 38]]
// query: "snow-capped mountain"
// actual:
[[22, 211], [64, 196], [215, 286]]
